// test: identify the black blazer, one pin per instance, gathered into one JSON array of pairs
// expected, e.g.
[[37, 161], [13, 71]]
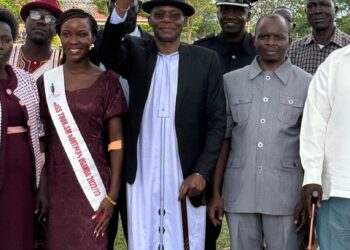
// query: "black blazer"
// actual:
[[95, 51], [200, 117]]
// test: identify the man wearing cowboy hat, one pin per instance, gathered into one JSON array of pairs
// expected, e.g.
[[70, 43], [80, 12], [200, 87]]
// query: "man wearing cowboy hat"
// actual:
[[36, 55], [174, 128]]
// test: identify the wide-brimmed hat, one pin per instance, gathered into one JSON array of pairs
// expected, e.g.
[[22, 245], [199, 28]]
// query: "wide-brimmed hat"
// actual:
[[239, 3], [187, 9], [50, 5]]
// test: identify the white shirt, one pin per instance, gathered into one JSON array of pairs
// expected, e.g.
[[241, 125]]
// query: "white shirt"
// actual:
[[325, 131]]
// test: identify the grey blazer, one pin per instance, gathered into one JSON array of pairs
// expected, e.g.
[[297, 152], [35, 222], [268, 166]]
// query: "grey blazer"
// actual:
[[264, 111]]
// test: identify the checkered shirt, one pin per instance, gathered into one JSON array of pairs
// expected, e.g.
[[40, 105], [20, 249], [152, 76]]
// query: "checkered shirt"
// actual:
[[306, 53]]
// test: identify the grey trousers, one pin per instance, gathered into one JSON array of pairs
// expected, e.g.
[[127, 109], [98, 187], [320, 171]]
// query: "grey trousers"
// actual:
[[250, 231]]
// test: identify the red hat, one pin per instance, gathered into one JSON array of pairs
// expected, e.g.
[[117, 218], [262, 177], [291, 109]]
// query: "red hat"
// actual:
[[50, 5]]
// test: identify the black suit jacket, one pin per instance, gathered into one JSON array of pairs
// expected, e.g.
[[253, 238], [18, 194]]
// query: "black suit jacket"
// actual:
[[200, 117], [95, 51]]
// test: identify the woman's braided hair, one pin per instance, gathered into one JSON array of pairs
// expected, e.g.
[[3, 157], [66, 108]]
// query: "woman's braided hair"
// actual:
[[76, 13]]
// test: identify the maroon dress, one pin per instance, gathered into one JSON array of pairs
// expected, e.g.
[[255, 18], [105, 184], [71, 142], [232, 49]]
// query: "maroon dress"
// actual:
[[17, 173], [69, 222]]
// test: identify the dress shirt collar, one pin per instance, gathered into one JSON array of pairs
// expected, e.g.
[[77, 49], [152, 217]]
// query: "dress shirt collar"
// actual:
[[282, 72], [336, 38]]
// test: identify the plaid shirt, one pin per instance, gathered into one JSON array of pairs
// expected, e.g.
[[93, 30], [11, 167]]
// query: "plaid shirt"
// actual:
[[306, 53]]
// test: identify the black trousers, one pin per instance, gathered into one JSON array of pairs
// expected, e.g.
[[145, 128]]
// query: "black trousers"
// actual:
[[211, 235]]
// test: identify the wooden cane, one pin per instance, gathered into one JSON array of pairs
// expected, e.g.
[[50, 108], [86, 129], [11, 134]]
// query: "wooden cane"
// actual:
[[312, 219], [185, 224]]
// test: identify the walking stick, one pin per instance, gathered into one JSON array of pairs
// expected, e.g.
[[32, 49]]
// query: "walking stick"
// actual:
[[311, 229], [185, 224]]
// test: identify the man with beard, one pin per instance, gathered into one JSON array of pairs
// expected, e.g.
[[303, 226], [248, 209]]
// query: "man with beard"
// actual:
[[234, 45], [263, 175], [310, 51], [36, 55]]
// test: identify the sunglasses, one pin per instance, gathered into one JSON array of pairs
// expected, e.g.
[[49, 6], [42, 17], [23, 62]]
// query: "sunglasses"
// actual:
[[36, 16], [173, 16]]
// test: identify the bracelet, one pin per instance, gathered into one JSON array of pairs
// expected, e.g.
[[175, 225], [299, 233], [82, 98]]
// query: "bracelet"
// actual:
[[115, 145], [118, 8], [110, 200]]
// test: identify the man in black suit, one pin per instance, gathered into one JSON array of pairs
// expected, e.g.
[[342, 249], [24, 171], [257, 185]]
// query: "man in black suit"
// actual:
[[174, 128]]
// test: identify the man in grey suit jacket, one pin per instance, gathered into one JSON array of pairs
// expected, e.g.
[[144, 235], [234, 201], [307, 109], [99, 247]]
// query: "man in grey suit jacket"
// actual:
[[263, 176], [175, 125]]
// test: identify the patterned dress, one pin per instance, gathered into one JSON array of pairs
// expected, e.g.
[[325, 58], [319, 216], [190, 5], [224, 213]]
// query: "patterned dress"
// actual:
[[69, 223]]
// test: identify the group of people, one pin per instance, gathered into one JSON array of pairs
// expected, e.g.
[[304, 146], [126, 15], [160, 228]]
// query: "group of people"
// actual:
[[172, 135]]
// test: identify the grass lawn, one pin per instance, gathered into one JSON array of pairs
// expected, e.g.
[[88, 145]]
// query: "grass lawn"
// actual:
[[223, 242]]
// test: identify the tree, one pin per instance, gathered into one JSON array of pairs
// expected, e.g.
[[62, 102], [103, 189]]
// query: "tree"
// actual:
[[203, 22], [264, 7], [342, 17], [13, 6], [101, 6]]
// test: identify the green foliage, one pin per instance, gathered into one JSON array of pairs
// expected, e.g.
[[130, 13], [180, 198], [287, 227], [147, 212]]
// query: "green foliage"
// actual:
[[223, 242], [101, 6], [13, 6], [146, 27], [264, 7], [342, 17], [203, 22]]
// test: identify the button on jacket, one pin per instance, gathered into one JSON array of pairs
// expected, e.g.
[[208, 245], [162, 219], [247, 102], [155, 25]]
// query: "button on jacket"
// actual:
[[232, 55], [264, 111]]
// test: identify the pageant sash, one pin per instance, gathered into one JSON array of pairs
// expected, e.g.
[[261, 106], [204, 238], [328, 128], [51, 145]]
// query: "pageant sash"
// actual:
[[48, 65], [72, 141], [43, 68]]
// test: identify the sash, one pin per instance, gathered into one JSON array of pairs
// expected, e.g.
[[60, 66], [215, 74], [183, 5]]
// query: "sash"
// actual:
[[72, 141], [48, 65]]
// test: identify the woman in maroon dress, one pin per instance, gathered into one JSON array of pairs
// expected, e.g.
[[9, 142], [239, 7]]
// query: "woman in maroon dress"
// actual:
[[96, 102], [20, 156]]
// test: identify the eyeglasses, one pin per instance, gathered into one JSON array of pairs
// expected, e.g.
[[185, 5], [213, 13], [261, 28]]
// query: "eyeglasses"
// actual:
[[36, 16], [173, 16]]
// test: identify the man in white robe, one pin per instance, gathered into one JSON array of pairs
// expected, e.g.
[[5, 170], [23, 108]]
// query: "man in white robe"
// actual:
[[174, 128]]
